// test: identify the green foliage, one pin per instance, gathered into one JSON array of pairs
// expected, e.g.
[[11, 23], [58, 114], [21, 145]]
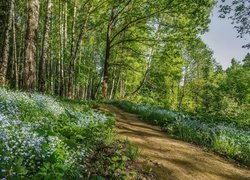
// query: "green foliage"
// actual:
[[154, 56], [132, 152], [44, 138], [110, 161]]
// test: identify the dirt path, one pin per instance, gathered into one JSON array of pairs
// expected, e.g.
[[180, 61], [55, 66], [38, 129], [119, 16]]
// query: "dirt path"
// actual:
[[170, 158]]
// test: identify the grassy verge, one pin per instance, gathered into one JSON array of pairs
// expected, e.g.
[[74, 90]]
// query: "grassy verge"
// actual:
[[45, 138], [222, 138]]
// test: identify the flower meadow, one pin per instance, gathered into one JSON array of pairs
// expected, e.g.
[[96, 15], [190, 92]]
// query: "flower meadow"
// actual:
[[41, 137], [221, 137]]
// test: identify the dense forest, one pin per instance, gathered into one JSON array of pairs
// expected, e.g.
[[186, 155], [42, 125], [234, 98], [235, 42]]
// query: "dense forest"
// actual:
[[143, 51]]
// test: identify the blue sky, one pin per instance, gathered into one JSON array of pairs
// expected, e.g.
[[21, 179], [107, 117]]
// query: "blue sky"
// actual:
[[222, 39]]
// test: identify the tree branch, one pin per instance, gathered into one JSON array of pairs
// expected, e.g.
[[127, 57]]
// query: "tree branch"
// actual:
[[135, 21]]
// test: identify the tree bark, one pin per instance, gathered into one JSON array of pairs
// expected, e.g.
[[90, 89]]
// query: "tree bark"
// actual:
[[45, 49], [14, 53], [182, 93], [76, 44], [145, 74], [5, 50], [60, 64], [107, 55], [72, 58], [117, 84], [29, 74]]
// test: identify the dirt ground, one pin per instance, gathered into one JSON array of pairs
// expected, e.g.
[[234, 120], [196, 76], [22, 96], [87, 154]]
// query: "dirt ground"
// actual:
[[169, 158]]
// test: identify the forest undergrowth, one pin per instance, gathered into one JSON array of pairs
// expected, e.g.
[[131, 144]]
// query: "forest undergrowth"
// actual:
[[44, 137]]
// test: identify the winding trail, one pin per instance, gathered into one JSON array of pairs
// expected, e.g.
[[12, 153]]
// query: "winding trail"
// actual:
[[170, 158]]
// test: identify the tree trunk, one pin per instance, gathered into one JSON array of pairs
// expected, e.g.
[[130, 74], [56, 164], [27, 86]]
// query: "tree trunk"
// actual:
[[49, 73], [107, 55], [14, 53], [75, 49], [21, 57], [112, 88], [45, 49], [72, 58], [60, 64], [29, 75], [117, 83], [182, 95], [145, 74], [5, 50], [65, 43]]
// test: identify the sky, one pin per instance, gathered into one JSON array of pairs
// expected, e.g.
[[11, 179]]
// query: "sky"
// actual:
[[222, 39]]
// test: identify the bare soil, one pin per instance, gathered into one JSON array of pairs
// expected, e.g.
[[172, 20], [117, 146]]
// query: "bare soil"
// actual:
[[169, 158]]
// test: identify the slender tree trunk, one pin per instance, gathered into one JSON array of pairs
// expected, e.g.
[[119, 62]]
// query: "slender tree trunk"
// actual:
[[112, 89], [85, 90], [145, 74], [72, 58], [66, 24], [57, 80], [14, 53], [122, 86], [56, 75], [90, 85], [117, 84], [62, 52], [4, 8], [105, 71], [21, 58], [75, 49], [182, 93], [65, 47], [107, 55], [5, 50], [48, 73], [60, 66], [30, 63], [45, 49]]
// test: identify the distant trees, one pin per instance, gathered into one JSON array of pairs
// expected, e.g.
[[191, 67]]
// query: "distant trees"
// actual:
[[246, 61]]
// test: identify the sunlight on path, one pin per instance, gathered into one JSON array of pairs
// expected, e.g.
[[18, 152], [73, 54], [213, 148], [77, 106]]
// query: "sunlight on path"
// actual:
[[170, 158]]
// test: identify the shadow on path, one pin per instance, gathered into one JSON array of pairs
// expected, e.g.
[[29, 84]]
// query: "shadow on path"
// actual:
[[170, 158]]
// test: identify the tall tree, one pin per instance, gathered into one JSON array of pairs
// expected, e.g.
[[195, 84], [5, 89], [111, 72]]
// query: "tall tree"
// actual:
[[7, 10], [134, 16], [45, 48], [29, 74]]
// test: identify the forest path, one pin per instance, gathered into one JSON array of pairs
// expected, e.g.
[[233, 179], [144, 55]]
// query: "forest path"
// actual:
[[170, 158]]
